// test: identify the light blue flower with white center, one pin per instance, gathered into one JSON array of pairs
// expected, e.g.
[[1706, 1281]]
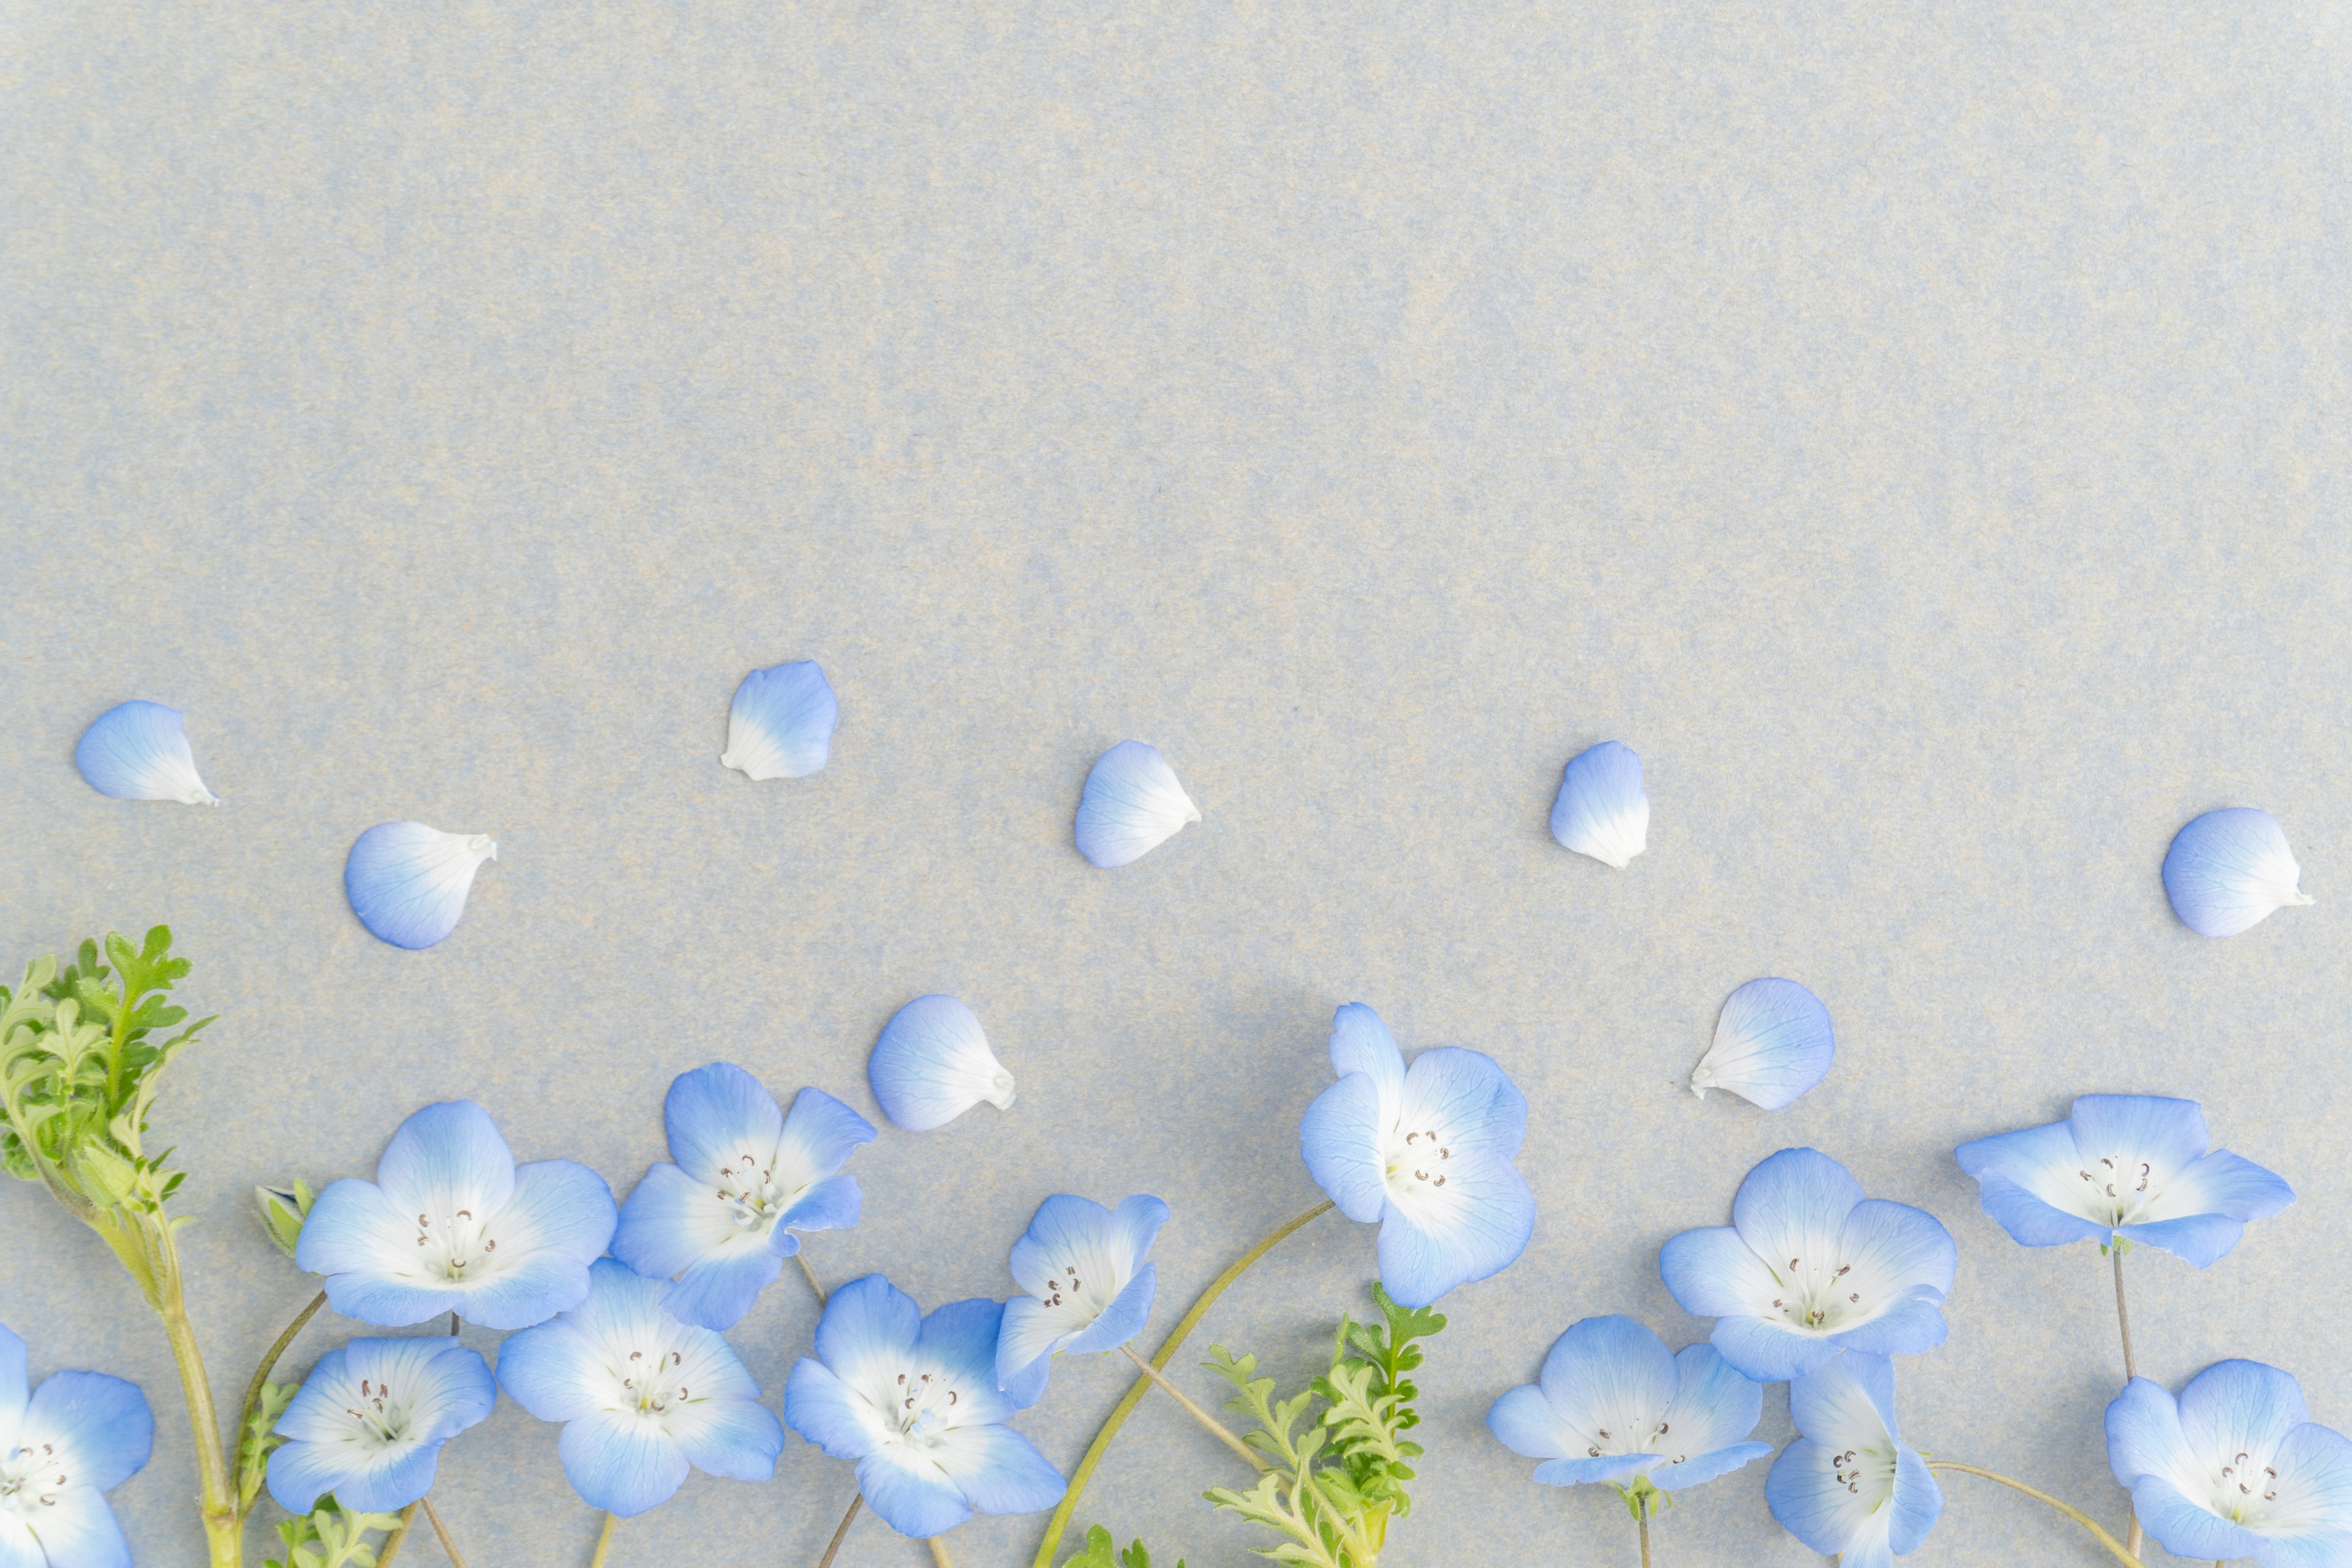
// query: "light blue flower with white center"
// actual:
[[720, 1221], [914, 1400], [1132, 804], [931, 1064], [407, 883], [370, 1421], [452, 1225], [1427, 1152], [1809, 1267], [2129, 1166], [138, 751], [1849, 1487], [1601, 809], [2229, 869], [1614, 1406], [2235, 1468], [781, 726], [62, 1449], [1089, 1278], [642, 1396], [1773, 1042]]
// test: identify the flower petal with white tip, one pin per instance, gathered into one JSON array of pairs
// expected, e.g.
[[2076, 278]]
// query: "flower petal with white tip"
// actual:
[[1614, 1405], [781, 726], [63, 1447], [1132, 804], [407, 882], [1089, 1281], [138, 751], [931, 1064], [1773, 1042], [1601, 810], [1849, 1487], [2227, 870], [370, 1421]]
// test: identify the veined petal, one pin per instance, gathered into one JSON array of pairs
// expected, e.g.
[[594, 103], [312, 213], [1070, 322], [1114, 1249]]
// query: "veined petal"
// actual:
[[1805, 1495], [445, 1157], [1467, 1097], [621, 1462], [672, 1222], [2186, 1528], [2143, 1436], [559, 1221], [14, 1389], [1475, 1226], [1123, 1319], [19, 1548], [1610, 1376], [1032, 1331], [718, 1116], [2201, 1239], [1919, 1502], [1707, 1467], [1132, 804], [831, 1203], [2132, 1129], [998, 1471], [366, 1248], [819, 1136], [390, 1480], [445, 1386], [2239, 1407], [1073, 1232], [1773, 1042], [1891, 1246], [737, 1439], [912, 1494], [1912, 1324], [1340, 1139], [100, 1426], [826, 1411], [1712, 1273], [781, 725], [958, 1341], [2030, 1183], [1601, 810], [1714, 1407], [2312, 1508], [1583, 1469], [1361, 1043], [2227, 870], [138, 751], [932, 1064], [1523, 1421], [1848, 1485], [301, 1473], [2220, 1183], [869, 1331], [79, 1531], [1794, 1205], [1136, 1225], [718, 1289], [1768, 1349], [407, 882], [551, 1370]]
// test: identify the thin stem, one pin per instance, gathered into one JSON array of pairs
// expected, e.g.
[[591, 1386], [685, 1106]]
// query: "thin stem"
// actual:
[[270, 1365], [839, 1535], [810, 1275], [1642, 1515], [1134, 1395], [939, 1545], [2134, 1537], [391, 1544], [2130, 1558], [1203, 1416], [603, 1541], [433, 1518]]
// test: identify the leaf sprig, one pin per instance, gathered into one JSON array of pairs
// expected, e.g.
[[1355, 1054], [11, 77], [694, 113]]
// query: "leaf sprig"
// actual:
[[331, 1538], [1098, 1554]]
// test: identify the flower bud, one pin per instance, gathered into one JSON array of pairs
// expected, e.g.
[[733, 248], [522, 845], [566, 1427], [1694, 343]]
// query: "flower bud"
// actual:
[[282, 1213]]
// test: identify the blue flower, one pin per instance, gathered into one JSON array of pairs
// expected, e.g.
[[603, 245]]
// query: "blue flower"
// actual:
[[1808, 1267], [914, 1400], [721, 1220], [370, 1421], [641, 1395], [1614, 1405], [452, 1225], [1426, 1152], [2234, 1468], [1090, 1285], [2128, 1166], [62, 1449], [1849, 1487]]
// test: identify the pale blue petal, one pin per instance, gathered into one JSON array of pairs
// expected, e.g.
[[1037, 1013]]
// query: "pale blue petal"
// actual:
[[2023, 1177], [407, 882], [560, 1221], [662, 1227], [715, 1115], [1132, 804], [551, 1370], [446, 1387], [1712, 1273], [1919, 1502], [2186, 1528], [1773, 1042], [1467, 1098], [2167, 1135], [1026, 1344], [1793, 1205], [821, 1134], [916, 1505], [1601, 809], [1911, 1326], [1767, 1350], [718, 1291], [1523, 1421], [398, 1478], [1340, 1140], [1811, 1504], [2201, 1239], [1361, 1043], [299, 1474], [1891, 1246], [737, 1439], [1703, 1467], [2240, 1405], [621, 1462], [1122, 1319], [2143, 1436], [781, 726], [1714, 1407], [2227, 1185], [20, 1549], [104, 1422], [1607, 1467], [826, 1411], [81, 1531], [832, 1204], [1027, 1384], [14, 1389], [444, 1158], [1609, 1374], [932, 1063], [138, 751], [1067, 1231], [866, 1323], [2314, 1466], [1476, 1226], [1135, 1224], [2227, 870], [998, 1470], [2031, 1222], [960, 1339]]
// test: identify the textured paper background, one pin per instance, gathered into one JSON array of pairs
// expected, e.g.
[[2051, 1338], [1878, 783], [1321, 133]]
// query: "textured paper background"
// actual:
[[1918, 430]]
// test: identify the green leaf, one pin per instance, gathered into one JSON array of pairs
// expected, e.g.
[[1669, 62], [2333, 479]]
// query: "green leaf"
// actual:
[[1097, 1550]]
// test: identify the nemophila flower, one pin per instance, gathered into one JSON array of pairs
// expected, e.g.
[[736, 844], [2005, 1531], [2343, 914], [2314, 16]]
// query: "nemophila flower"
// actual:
[[1089, 1284], [452, 1225], [1809, 1267], [2234, 1468], [1849, 1487], [370, 1418], [914, 1400], [62, 1449], [641, 1395], [1427, 1152], [2128, 1166], [1614, 1406], [721, 1220]]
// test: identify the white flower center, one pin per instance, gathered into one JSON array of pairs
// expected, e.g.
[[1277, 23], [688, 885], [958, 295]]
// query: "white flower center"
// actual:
[[922, 1410], [1867, 1471], [650, 1383], [1821, 1298], [754, 1194], [2247, 1481], [1072, 1292], [2117, 1187], [30, 1478], [381, 1419], [1608, 1442], [456, 1246], [1417, 1161]]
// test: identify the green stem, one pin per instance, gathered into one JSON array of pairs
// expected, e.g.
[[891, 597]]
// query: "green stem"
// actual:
[[224, 1530], [270, 1365], [2127, 1558], [603, 1541], [1134, 1395], [1195, 1412], [2135, 1538], [939, 1545], [810, 1275]]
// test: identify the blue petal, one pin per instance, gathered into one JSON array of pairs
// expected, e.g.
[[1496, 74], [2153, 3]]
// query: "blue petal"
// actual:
[[1919, 1502], [2143, 1436], [1767, 1350], [103, 1421], [1811, 1504], [781, 726], [138, 751], [551, 1370], [932, 1063], [621, 1463], [1469, 1096], [388, 1485], [826, 1411], [2186, 1528], [2235, 1407], [1608, 1373], [1523, 1421], [1714, 1407], [960, 1339], [666, 1226], [1340, 1140], [1136, 1225], [1707, 1467], [832, 1204], [2227, 870], [1132, 804], [918, 1505], [14, 1389], [1361, 1043], [1712, 1273], [79, 1531], [737, 1439], [1847, 1402], [1067, 1231], [1027, 1384], [2320, 1463], [1773, 1042], [2170, 1135], [1026, 1344], [445, 1157], [299, 1474], [998, 1471], [1892, 1245], [1123, 1319], [1600, 810], [1477, 1227], [446, 1387], [866, 1322], [407, 882], [561, 1220], [2227, 1185], [1915, 1325], [2202, 1239], [1607, 1467], [2023, 1177], [716, 1292], [1794, 1205], [2031, 1222], [715, 1113], [820, 1135]]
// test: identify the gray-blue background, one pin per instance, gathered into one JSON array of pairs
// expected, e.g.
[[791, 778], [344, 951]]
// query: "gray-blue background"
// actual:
[[1918, 430]]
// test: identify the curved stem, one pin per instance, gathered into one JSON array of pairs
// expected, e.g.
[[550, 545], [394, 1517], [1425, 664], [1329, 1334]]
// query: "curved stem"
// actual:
[[269, 1363], [2128, 1558], [939, 1545], [433, 1517], [2135, 1538], [392, 1543], [603, 1541], [839, 1535], [1134, 1395], [1203, 1416], [810, 1275]]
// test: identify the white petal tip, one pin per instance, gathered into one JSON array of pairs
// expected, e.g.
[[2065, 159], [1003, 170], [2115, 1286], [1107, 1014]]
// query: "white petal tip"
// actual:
[[1699, 1090]]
